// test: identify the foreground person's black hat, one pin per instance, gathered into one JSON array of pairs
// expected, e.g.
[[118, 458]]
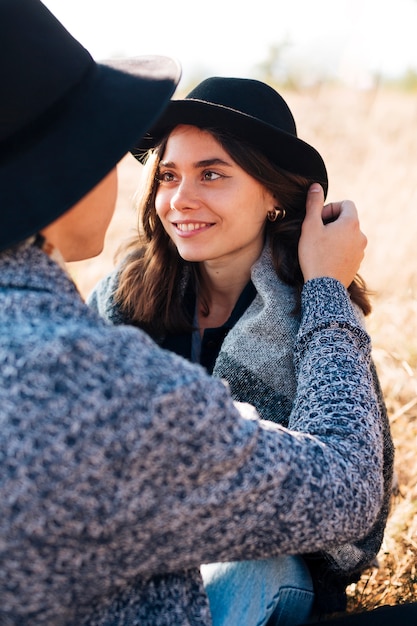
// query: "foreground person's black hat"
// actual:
[[65, 120]]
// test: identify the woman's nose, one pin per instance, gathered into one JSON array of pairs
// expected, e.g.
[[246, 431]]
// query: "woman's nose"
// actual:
[[185, 197]]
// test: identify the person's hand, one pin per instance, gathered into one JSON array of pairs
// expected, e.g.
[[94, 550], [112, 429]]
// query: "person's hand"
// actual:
[[331, 242]]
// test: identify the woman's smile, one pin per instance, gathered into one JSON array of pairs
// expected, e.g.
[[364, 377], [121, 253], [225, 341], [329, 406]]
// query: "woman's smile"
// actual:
[[193, 228]]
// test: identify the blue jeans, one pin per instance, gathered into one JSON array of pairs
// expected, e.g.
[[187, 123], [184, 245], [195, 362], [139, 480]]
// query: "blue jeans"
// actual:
[[270, 592]]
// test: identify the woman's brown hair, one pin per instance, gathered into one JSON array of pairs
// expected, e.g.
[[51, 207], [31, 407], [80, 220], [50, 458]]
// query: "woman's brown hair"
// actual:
[[151, 284]]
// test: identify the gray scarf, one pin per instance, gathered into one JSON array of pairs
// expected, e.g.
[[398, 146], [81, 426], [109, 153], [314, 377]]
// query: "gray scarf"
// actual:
[[256, 357]]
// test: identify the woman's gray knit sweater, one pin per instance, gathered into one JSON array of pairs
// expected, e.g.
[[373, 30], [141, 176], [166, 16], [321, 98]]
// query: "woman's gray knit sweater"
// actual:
[[124, 467]]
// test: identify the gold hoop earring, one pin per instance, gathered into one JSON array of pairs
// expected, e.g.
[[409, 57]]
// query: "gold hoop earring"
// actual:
[[275, 214]]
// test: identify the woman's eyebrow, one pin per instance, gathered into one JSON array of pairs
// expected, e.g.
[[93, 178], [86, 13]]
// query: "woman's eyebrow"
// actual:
[[202, 163], [210, 162]]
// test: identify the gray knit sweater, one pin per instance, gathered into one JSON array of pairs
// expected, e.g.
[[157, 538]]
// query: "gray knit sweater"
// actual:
[[123, 467], [256, 360]]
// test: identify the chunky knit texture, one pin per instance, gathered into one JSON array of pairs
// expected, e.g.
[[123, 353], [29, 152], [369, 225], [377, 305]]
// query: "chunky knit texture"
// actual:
[[124, 467], [257, 361]]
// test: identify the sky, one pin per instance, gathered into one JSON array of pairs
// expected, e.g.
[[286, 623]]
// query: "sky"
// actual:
[[350, 39]]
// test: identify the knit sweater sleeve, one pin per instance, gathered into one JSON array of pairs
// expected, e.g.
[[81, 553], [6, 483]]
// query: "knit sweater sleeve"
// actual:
[[146, 466], [332, 357], [219, 484], [325, 469]]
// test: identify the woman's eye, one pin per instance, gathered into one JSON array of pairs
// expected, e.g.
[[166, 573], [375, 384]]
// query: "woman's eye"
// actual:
[[209, 175], [165, 177]]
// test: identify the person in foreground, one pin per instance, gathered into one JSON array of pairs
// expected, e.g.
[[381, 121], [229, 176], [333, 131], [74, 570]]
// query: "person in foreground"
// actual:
[[124, 467], [213, 275]]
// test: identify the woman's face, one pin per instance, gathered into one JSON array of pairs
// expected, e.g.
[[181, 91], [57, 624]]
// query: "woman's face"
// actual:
[[209, 206]]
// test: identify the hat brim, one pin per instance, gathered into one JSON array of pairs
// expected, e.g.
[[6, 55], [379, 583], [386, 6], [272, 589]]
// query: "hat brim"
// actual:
[[283, 149], [81, 141]]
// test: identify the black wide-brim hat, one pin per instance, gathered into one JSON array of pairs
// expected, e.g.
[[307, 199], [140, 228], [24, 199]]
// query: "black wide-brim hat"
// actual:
[[252, 111], [65, 120]]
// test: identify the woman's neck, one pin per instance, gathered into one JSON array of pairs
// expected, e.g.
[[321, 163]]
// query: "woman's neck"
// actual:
[[222, 288]]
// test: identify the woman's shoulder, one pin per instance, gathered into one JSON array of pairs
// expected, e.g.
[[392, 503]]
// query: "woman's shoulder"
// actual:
[[102, 298]]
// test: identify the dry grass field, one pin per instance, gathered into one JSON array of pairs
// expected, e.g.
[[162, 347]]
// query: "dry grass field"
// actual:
[[369, 142]]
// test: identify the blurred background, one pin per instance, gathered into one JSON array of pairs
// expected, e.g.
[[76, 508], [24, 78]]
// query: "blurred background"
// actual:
[[353, 41], [348, 70]]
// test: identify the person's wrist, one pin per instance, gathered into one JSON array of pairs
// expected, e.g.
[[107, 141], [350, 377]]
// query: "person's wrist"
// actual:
[[326, 297]]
